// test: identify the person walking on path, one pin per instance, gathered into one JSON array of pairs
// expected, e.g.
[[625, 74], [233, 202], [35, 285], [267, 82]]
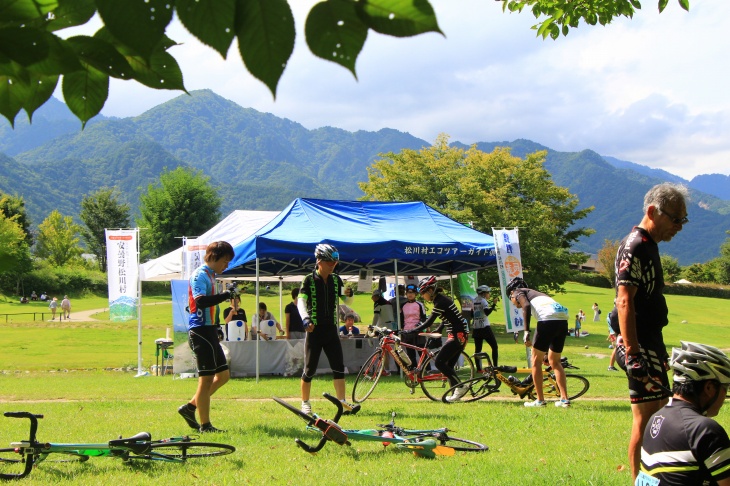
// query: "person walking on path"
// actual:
[[53, 305], [213, 370], [66, 308], [642, 308]]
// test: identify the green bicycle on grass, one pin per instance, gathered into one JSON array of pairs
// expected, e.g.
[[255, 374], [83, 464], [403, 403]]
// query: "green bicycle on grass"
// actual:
[[422, 442], [17, 461]]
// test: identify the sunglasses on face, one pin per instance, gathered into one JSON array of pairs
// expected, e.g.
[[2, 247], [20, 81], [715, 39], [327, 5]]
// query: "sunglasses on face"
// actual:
[[673, 218]]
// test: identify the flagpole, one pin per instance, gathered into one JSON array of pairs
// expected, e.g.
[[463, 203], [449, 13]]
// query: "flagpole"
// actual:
[[139, 315]]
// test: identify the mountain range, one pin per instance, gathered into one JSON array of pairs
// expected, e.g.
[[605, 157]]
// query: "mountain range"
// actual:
[[260, 161]]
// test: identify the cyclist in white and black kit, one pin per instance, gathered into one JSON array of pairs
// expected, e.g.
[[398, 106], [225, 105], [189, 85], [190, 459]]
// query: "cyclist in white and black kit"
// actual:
[[318, 305], [642, 309], [481, 329], [456, 329], [682, 445], [550, 333]]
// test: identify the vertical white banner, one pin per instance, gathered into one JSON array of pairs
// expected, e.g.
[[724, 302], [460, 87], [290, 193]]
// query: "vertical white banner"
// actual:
[[193, 254], [123, 274], [509, 266]]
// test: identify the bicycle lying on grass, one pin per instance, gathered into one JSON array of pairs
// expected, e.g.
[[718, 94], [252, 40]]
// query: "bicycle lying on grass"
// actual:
[[422, 442], [494, 376], [17, 461], [433, 382]]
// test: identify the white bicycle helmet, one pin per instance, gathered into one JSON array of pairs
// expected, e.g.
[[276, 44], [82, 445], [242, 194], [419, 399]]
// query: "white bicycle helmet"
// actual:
[[326, 253], [699, 362], [483, 289]]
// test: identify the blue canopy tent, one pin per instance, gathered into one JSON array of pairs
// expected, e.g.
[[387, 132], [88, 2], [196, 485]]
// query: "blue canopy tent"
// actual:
[[406, 238]]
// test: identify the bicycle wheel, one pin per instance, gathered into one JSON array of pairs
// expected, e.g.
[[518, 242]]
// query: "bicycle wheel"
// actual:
[[434, 383], [368, 377], [577, 386], [307, 418], [458, 444], [479, 388], [181, 451]]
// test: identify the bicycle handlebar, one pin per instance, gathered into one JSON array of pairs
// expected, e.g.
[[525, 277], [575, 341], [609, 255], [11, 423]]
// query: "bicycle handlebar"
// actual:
[[332, 432], [29, 458]]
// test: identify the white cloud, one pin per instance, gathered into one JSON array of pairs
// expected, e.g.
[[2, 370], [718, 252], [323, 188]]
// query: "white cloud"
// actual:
[[651, 89]]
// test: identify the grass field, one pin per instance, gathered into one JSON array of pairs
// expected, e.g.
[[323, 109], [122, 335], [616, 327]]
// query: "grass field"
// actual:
[[585, 444]]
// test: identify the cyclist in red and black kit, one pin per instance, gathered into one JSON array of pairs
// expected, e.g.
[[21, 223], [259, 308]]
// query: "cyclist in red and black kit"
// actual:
[[318, 305], [642, 309], [456, 329]]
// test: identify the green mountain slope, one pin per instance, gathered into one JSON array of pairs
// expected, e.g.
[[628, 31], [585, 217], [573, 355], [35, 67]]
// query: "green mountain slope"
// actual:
[[260, 161]]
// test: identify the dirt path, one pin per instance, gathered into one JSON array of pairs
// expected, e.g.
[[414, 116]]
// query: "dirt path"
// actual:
[[85, 315]]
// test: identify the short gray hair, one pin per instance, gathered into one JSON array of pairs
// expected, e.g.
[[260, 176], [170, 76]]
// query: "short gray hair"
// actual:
[[666, 195]]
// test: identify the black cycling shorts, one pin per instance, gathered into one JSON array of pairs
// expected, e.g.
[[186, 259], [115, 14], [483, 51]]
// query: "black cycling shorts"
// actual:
[[207, 350], [550, 335]]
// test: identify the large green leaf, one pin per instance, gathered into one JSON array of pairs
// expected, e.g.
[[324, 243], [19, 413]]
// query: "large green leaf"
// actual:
[[139, 24], [85, 92], [265, 30], [12, 95], [211, 21], [335, 33], [24, 46], [102, 55], [160, 72], [40, 89], [399, 18], [25, 10], [71, 13]]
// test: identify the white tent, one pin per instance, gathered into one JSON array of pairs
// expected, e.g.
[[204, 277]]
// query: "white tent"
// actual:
[[234, 228]]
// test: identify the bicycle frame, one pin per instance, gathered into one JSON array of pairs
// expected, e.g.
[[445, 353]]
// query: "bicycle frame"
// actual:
[[423, 443]]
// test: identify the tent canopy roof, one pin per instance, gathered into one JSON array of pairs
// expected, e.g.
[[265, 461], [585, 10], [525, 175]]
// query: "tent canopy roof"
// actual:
[[368, 235], [234, 228]]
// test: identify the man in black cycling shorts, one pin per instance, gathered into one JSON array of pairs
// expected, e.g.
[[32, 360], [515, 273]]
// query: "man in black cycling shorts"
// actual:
[[642, 309], [682, 445], [549, 338], [317, 304]]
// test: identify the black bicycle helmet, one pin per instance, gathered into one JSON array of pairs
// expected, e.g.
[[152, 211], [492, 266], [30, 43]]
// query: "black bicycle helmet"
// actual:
[[514, 284], [699, 362], [426, 283], [326, 253]]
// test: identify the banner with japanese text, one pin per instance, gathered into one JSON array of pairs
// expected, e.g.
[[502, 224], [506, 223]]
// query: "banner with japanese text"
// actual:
[[509, 266], [123, 274], [467, 293], [193, 254]]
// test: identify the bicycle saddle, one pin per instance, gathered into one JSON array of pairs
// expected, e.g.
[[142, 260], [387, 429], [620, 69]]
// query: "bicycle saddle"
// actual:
[[142, 436]]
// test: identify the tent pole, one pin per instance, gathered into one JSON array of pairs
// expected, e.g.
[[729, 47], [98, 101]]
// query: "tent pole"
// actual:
[[397, 303], [139, 316], [256, 315], [281, 302]]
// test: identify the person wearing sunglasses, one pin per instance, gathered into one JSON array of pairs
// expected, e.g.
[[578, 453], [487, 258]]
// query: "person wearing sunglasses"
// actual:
[[642, 308]]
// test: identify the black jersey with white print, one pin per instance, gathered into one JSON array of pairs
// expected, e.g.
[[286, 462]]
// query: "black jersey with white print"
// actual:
[[682, 447]]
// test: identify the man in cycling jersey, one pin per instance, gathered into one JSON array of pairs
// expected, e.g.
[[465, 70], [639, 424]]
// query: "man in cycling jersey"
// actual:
[[317, 304], [550, 333], [203, 334], [682, 445], [642, 309]]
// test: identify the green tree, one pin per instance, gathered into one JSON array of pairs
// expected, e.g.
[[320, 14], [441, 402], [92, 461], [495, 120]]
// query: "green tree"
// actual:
[[699, 273], [58, 240], [14, 249], [132, 43], [607, 257], [182, 204], [14, 207], [722, 264], [99, 211], [490, 190], [671, 268]]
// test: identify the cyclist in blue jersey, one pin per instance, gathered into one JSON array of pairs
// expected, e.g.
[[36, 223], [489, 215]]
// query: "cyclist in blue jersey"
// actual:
[[550, 333], [203, 334], [682, 445]]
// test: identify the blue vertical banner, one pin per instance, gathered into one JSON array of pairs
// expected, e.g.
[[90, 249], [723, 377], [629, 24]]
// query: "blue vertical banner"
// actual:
[[509, 266]]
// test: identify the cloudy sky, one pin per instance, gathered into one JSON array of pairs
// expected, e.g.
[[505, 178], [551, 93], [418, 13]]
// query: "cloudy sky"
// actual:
[[652, 90]]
